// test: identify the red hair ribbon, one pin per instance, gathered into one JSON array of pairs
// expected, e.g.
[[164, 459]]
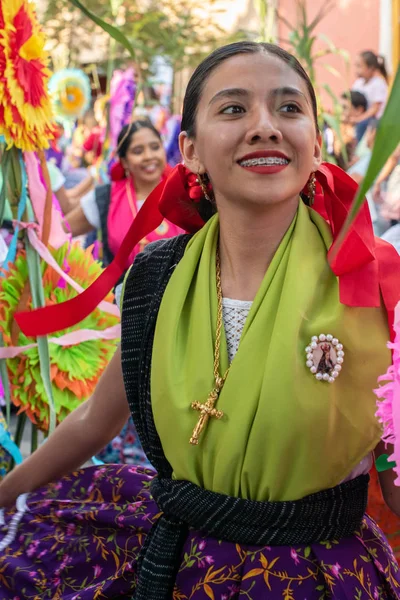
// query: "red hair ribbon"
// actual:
[[366, 267], [117, 171]]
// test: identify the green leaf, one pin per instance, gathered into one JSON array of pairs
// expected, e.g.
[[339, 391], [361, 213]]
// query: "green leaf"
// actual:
[[35, 280], [5, 165], [14, 182], [382, 463], [115, 33], [6, 383], [386, 142], [332, 70]]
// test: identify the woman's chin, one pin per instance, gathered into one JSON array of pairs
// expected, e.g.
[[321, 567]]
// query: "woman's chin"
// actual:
[[153, 177]]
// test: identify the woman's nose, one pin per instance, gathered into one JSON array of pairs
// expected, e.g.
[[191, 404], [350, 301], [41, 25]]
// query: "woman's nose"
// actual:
[[148, 153], [264, 128]]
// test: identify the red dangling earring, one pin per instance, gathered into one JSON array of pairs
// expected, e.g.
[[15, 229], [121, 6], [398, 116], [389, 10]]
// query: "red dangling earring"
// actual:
[[197, 187]]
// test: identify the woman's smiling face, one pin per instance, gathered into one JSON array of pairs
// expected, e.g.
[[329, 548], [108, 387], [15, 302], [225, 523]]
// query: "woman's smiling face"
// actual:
[[256, 135], [145, 157]]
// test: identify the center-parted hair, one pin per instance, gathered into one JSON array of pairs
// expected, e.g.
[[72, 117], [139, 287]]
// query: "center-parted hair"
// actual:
[[128, 131], [200, 76]]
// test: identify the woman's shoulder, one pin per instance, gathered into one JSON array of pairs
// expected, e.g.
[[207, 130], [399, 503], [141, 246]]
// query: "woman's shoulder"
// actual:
[[151, 270], [161, 251], [359, 84], [159, 254], [379, 81]]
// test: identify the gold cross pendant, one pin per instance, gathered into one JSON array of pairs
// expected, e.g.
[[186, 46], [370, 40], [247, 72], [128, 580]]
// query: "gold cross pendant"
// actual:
[[206, 410]]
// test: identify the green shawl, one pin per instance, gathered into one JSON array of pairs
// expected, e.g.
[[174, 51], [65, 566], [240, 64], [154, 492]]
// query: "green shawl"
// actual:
[[284, 434]]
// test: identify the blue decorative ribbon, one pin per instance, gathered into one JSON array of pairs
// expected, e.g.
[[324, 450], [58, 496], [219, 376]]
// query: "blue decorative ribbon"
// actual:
[[9, 445], [12, 250]]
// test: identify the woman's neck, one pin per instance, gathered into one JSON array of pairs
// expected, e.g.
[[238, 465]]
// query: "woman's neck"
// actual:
[[371, 76], [143, 189], [248, 242]]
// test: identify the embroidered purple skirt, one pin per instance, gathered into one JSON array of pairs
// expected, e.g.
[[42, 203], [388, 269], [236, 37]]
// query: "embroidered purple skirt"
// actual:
[[79, 539]]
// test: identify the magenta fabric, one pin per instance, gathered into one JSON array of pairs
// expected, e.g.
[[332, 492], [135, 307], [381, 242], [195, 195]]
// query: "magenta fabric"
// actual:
[[121, 215]]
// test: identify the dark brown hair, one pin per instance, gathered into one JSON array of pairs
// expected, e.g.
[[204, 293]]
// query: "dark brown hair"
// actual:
[[199, 78], [128, 131], [373, 61]]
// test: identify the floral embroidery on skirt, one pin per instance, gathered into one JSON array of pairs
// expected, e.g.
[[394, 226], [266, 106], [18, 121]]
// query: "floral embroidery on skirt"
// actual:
[[81, 537]]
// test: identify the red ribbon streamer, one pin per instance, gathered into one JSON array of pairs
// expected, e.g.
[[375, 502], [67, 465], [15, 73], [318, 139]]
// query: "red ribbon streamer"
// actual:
[[366, 266]]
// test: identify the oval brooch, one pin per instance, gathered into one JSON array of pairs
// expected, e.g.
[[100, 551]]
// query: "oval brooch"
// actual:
[[325, 357]]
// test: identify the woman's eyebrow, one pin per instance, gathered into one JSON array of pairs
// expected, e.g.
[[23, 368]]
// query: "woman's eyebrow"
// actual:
[[230, 93], [288, 91], [243, 93]]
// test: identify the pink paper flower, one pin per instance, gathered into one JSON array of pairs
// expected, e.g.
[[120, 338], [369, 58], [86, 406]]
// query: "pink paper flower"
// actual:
[[388, 412]]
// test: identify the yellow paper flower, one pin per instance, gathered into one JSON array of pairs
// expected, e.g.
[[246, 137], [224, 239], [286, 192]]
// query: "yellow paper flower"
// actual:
[[25, 108]]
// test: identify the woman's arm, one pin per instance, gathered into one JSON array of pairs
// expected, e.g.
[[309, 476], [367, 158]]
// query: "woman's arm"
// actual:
[[62, 196], [370, 112], [84, 217], [81, 189], [387, 169], [76, 222], [81, 435], [390, 492], [383, 175]]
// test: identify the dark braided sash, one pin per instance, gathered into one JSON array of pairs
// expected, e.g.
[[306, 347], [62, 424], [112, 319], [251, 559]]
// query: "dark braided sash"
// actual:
[[327, 515]]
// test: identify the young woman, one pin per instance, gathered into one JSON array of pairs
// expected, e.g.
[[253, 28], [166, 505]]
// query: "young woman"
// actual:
[[372, 82], [262, 459], [112, 207]]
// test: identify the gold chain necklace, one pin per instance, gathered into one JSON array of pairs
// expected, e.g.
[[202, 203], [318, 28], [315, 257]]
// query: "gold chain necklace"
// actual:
[[207, 409]]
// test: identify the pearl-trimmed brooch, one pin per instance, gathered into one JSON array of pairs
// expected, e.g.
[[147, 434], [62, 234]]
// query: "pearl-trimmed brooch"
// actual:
[[325, 357]]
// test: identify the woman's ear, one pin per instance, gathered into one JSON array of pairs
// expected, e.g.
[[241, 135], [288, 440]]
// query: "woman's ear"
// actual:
[[187, 147], [317, 152]]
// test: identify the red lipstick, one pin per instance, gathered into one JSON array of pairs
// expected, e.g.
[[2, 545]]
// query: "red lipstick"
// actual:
[[274, 162]]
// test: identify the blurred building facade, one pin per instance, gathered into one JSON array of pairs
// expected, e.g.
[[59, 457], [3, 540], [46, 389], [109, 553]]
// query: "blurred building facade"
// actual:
[[353, 25]]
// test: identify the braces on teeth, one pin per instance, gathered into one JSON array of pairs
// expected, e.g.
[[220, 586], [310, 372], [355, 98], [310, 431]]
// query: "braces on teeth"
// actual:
[[264, 161]]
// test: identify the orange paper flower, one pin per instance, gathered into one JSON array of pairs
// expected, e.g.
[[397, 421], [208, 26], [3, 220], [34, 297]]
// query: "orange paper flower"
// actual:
[[25, 109]]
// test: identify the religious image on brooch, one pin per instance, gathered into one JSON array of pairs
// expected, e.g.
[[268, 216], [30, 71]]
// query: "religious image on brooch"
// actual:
[[325, 357]]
